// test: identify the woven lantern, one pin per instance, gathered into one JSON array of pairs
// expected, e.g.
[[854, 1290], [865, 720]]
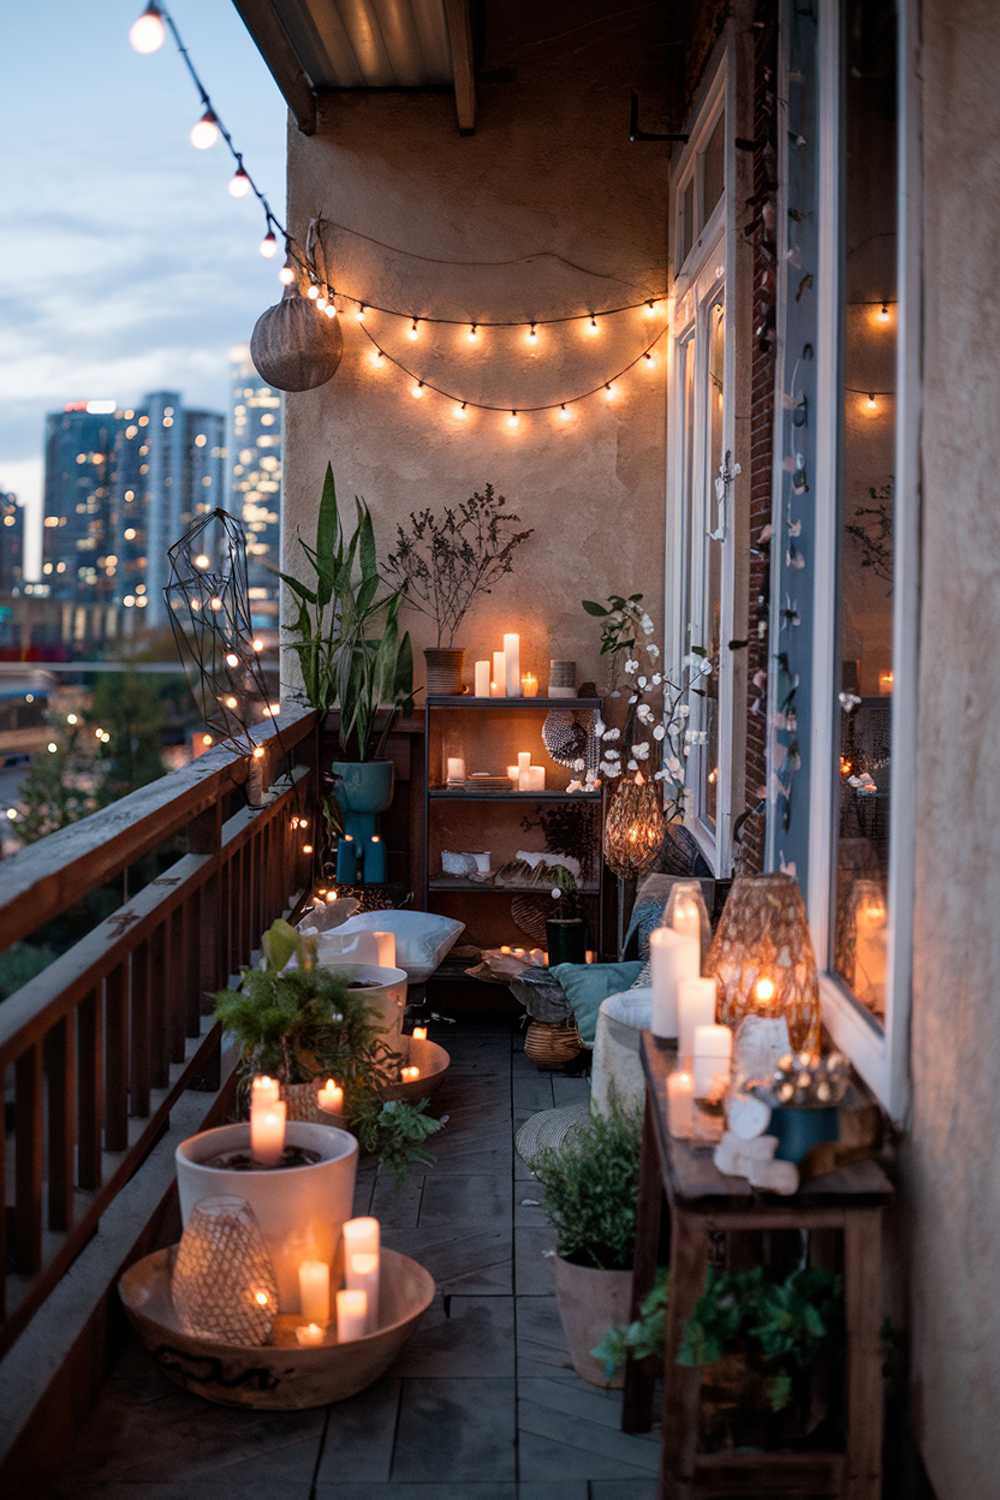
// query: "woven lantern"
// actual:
[[223, 1283], [763, 957], [293, 347], [633, 830]]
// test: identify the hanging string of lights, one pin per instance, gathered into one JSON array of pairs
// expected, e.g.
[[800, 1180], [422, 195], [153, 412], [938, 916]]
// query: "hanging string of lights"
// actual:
[[147, 35]]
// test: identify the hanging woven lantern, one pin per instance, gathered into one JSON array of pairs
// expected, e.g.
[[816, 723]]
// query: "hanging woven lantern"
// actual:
[[294, 347], [633, 830], [763, 957]]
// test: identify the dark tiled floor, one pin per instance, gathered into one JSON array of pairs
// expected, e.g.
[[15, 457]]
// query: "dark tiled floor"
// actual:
[[483, 1403]]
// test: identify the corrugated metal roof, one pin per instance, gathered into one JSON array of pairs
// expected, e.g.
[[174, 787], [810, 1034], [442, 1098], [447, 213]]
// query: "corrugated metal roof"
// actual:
[[368, 43]]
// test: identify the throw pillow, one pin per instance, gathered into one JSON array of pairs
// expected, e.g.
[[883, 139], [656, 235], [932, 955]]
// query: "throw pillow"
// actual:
[[586, 985]]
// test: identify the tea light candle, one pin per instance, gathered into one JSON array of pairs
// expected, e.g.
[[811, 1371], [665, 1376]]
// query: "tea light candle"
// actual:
[[695, 1007], [331, 1098], [763, 992], [314, 1291], [886, 680], [385, 946], [455, 771], [680, 1104], [331, 897], [362, 1275], [267, 1132], [529, 685], [310, 1335], [512, 664], [713, 1048], [374, 861], [362, 1236], [352, 1315], [419, 1033], [686, 918], [498, 682], [482, 679], [409, 1074], [673, 957], [347, 860]]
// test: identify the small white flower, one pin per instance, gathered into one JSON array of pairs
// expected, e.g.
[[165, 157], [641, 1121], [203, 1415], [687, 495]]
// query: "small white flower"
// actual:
[[634, 698], [611, 769], [641, 751], [659, 732], [659, 775], [683, 710], [555, 893], [631, 666], [579, 765], [611, 734], [642, 682], [599, 726], [674, 766], [644, 713], [657, 678], [575, 786], [612, 754], [647, 624], [652, 651], [633, 765]]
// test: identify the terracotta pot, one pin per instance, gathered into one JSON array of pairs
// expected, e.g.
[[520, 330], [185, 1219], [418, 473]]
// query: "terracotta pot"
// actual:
[[300, 1210], [590, 1302], [444, 669]]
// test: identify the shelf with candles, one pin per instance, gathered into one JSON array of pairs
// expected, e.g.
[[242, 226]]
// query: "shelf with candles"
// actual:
[[459, 794], [488, 887], [470, 700]]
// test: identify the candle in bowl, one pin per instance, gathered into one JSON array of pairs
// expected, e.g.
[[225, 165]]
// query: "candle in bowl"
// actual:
[[310, 1335], [362, 1275], [385, 947], [374, 861], [498, 682], [713, 1048], [362, 1236], [482, 679], [314, 1291], [419, 1033], [332, 896], [409, 1074], [352, 1315], [673, 957], [529, 685], [331, 1098], [512, 664], [695, 1007], [267, 1132], [680, 1104]]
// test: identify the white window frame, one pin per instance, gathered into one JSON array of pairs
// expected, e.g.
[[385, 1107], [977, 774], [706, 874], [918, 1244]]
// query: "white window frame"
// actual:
[[709, 263], [880, 1054]]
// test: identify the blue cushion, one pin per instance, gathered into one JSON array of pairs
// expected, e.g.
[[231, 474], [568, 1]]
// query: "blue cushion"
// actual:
[[586, 985]]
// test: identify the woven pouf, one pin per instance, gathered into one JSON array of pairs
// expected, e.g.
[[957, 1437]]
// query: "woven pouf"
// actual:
[[617, 1070]]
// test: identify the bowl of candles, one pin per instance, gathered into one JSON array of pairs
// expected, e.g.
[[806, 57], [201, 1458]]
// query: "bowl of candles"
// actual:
[[341, 1340], [423, 1066]]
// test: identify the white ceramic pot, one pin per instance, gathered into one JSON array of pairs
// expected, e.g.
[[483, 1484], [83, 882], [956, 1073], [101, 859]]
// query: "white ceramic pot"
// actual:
[[300, 1210], [387, 994]]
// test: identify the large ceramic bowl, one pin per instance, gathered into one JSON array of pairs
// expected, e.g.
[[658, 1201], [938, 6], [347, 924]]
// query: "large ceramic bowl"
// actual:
[[278, 1376], [433, 1062], [300, 1210]]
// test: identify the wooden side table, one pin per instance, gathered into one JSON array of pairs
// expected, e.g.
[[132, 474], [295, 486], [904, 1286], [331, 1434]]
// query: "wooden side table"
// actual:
[[700, 1199]]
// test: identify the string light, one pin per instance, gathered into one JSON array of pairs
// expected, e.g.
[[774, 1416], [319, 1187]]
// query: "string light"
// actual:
[[207, 740], [232, 660], [313, 293], [202, 560], [884, 313], [205, 132], [514, 419], [287, 274], [360, 314], [649, 359], [330, 310], [258, 644], [258, 752], [609, 391], [321, 303], [417, 390], [413, 332], [274, 709], [307, 848], [592, 327], [649, 311], [532, 335], [473, 333], [871, 404], [230, 701], [565, 415], [269, 245], [460, 411], [147, 33], [239, 183], [215, 603], [378, 359]]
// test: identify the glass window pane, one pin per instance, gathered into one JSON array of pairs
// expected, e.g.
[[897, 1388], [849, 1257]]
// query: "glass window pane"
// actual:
[[711, 614], [714, 167], [865, 599], [685, 228]]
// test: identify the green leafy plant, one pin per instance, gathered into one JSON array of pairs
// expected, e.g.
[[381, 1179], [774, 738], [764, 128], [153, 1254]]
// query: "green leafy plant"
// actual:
[[351, 653], [394, 1131], [444, 562], [641, 1338], [786, 1324], [590, 1185]]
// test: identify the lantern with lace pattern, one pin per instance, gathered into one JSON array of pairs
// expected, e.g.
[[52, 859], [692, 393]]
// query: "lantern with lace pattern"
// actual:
[[633, 830]]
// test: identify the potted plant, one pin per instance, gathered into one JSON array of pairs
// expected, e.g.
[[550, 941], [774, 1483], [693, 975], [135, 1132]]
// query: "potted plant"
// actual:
[[352, 656], [590, 1184], [444, 562], [565, 930]]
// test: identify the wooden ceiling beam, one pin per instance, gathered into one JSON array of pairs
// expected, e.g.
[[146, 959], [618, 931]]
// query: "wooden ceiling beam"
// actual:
[[261, 20], [458, 21]]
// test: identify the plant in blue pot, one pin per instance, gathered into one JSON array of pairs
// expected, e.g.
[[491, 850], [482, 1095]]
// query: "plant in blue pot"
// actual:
[[353, 660]]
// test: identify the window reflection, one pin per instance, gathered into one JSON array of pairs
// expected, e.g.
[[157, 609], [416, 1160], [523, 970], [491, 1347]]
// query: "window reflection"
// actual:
[[866, 560]]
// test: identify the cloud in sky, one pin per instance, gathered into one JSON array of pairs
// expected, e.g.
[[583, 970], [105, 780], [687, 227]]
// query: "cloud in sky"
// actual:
[[125, 266]]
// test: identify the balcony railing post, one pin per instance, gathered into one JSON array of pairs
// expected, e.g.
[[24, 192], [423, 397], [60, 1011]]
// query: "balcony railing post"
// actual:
[[28, 1145], [90, 1049], [60, 1068]]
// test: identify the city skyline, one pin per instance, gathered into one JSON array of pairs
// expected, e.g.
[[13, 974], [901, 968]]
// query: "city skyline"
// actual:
[[125, 266]]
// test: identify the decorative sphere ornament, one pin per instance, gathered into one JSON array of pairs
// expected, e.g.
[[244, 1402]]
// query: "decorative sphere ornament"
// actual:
[[293, 349]]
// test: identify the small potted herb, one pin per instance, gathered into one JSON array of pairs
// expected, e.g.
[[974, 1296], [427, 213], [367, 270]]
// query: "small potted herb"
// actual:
[[590, 1184], [445, 562]]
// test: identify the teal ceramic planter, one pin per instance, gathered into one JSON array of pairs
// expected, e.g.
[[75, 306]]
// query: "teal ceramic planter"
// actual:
[[363, 786], [800, 1129]]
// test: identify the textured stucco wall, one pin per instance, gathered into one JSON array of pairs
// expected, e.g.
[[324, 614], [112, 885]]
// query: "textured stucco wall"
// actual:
[[548, 170], [951, 1183]]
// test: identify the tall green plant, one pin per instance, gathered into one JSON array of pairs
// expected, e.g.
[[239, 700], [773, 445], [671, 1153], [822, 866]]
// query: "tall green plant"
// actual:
[[591, 1183], [351, 653]]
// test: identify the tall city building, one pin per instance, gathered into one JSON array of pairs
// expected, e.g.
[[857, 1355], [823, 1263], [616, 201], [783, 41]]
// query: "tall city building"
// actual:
[[11, 543], [79, 444], [254, 444]]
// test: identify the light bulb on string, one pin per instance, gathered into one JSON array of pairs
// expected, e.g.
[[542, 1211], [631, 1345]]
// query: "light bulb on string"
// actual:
[[269, 245], [413, 332], [321, 303], [215, 603], [377, 359], [232, 660], [239, 183], [287, 274], [230, 701], [460, 411], [202, 560], [473, 333], [330, 310], [360, 314], [257, 643], [514, 420], [147, 31], [532, 334], [417, 389], [592, 327], [313, 292], [884, 313], [649, 359], [610, 391], [205, 132], [565, 415], [871, 405], [649, 311]]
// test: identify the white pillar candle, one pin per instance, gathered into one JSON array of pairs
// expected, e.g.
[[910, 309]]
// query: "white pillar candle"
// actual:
[[498, 688], [331, 1098], [680, 1104], [482, 679], [455, 771], [512, 664], [531, 779], [314, 1291], [352, 1316], [686, 918], [362, 1275], [385, 945], [713, 1047], [419, 1033], [695, 1007], [523, 759], [673, 957], [310, 1335], [362, 1237], [267, 1132], [514, 772], [264, 1091]]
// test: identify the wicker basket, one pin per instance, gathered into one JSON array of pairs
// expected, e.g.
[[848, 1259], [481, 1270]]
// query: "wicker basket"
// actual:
[[551, 1046], [444, 669]]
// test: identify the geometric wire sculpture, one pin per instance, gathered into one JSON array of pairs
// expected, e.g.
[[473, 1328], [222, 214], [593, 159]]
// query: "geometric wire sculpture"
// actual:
[[223, 1283]]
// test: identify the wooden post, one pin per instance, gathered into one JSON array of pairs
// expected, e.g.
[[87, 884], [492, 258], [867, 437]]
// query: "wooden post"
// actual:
[[28, 1143], [640, 1375], [862, 1297], [116, 1067], [682, 1385], [60, 1059], [90, 1090]]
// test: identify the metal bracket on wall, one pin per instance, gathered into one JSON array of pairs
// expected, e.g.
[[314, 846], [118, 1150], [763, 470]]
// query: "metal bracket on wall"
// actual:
[[635, 134]]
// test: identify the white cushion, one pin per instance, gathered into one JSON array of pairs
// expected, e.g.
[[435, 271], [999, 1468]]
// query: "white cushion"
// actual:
[[422, 940]]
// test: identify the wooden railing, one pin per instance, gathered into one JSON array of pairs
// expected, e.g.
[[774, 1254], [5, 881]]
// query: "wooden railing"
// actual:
[[97, 1048]]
